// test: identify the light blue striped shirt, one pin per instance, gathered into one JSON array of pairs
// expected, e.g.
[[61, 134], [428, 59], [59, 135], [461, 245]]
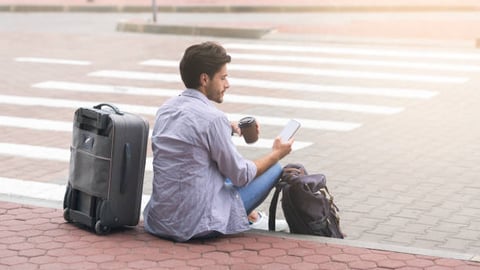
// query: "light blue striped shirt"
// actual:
[[193, 155]]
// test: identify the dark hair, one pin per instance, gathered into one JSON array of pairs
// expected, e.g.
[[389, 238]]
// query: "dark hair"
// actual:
[[208, 57]]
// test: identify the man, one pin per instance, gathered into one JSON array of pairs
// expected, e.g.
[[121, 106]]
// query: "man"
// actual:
[[202, 186]]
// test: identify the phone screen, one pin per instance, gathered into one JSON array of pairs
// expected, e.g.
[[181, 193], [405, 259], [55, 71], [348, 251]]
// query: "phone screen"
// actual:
[[289, 130]]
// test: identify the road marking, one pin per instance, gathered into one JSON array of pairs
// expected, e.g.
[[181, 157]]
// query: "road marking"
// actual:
[[33, 123], [278, 85], [230, 98], [54, 193], [355, 51], [306, 123], [70, 104], [63, 155], [268, 143], [35, 152], [351, 107], [325, 72], [52, 61], [104, 88], [63, 126], [356, 62], [146, 110], [137, 75], [336, 89], [32, 189]]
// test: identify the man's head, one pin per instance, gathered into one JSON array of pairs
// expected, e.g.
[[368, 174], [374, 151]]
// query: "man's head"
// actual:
[[203, 67]]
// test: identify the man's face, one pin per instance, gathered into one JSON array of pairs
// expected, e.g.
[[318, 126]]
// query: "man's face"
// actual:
[[216, 86]]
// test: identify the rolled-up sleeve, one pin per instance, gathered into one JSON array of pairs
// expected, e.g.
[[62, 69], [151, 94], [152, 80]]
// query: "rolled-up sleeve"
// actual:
[[230, 163]]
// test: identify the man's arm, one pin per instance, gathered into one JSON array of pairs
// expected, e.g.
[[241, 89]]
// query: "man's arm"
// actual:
[[279, 151]]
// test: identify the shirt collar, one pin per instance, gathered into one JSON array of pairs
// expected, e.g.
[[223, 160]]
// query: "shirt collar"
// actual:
[[196, 94]]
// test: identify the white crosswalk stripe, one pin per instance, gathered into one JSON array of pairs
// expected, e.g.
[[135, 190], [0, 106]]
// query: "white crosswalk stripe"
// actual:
[[32, 190], [422, 54], [63, 155], [280, 85], [34, 123], [367, 63], [148, 110], [62, 126], [327, 72], [230, 98], [35, 152], [42, 60]]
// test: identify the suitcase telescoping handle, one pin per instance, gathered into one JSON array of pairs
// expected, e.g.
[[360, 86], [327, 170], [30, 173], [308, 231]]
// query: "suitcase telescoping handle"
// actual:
[[113, 107], [95, 119], [127, 161]]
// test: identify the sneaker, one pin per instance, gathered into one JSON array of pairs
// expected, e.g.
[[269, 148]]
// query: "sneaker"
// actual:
[[261, 223]]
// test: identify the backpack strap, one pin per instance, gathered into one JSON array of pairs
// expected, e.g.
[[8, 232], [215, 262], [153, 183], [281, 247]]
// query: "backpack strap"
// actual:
[[289, 173], [273, 205]]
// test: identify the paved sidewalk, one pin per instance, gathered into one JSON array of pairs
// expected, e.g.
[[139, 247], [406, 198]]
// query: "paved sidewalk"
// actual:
[[38, 238]]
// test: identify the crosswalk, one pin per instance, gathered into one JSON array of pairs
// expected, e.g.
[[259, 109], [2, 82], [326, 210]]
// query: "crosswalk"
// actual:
[[273, 85], [254, 62], [355, 51], [325, 72]]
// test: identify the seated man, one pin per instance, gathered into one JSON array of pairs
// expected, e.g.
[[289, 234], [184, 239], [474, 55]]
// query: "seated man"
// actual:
[[202, 186]]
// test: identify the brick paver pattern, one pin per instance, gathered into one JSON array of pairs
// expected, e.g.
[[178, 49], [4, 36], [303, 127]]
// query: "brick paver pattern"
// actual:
[[39, 238]]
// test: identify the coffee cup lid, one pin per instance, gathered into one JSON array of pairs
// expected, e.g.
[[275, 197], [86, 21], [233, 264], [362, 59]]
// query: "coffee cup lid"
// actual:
[[246, 121]]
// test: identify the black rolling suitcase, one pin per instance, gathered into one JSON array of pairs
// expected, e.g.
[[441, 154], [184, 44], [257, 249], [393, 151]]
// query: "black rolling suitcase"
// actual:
[[107, 166]]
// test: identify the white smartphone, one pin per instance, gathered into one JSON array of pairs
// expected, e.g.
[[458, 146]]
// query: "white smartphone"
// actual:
[[289, 130]]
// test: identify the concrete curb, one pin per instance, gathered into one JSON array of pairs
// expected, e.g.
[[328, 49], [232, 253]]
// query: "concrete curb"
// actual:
[[375, 246], [55, 203], [232, 9], [153, 28]]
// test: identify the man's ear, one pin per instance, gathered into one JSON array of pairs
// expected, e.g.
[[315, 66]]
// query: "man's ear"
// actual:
[[204, 79]]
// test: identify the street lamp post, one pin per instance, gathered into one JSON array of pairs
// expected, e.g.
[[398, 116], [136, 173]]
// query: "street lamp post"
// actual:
[[154, 7]]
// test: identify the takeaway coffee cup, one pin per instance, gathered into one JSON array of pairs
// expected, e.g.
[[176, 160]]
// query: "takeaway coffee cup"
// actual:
[[248, 125]]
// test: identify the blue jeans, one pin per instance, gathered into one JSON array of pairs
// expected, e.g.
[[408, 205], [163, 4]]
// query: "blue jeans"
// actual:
[[252, 194], [257, 191]]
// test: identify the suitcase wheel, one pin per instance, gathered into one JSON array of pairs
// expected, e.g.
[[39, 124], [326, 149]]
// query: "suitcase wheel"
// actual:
[[101, 229], [66, 215]]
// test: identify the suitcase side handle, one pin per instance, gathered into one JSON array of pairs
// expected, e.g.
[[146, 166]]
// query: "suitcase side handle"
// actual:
[[113, 107], [127, 158]]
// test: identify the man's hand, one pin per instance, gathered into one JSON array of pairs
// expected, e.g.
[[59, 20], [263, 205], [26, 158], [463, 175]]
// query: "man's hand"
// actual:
[[235, 128], [282, 148], [279, 150]]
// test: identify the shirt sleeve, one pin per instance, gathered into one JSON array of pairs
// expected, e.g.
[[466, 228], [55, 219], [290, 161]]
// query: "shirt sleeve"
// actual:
[[222, 150]]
